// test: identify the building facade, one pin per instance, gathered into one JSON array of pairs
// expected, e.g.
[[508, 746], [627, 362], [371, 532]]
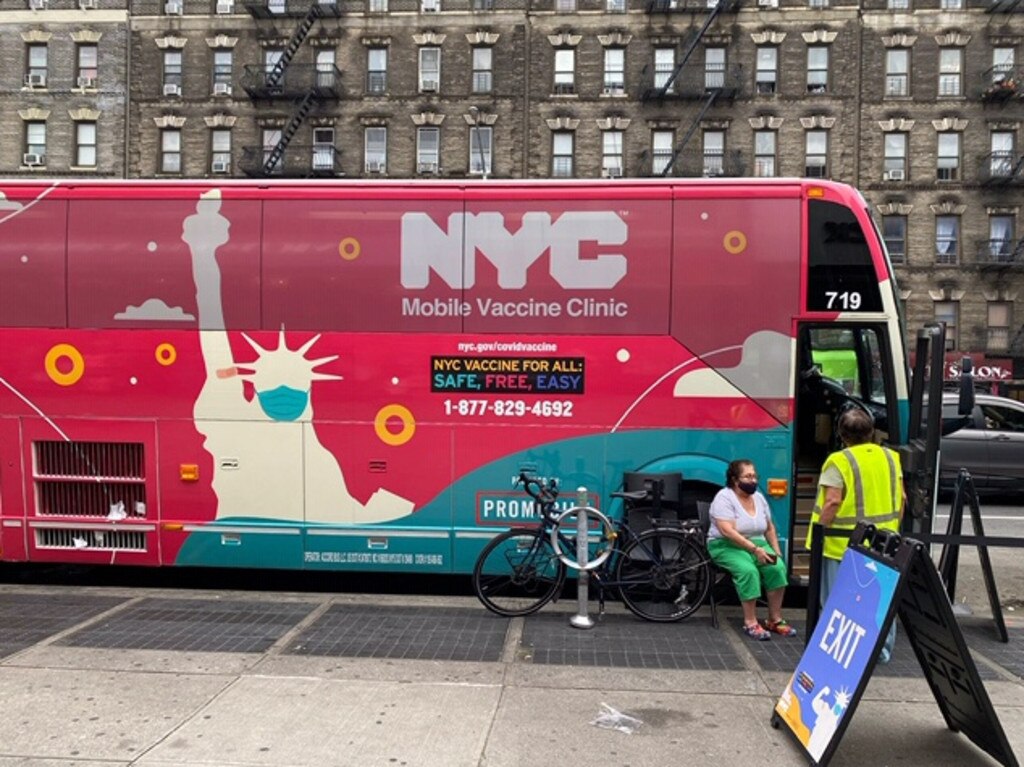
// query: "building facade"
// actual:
[[916, 102]]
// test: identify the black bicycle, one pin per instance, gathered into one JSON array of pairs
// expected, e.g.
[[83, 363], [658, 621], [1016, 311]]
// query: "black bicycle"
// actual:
[[661, 573]]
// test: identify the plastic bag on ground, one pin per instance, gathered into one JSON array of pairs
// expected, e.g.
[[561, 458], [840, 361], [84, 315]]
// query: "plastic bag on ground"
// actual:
[[611, 719]]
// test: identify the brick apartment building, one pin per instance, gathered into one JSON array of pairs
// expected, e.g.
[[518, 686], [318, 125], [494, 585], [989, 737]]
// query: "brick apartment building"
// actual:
[[917, 102]]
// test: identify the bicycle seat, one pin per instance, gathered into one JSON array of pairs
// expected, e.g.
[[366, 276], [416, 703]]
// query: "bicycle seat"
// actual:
[[631, 495]]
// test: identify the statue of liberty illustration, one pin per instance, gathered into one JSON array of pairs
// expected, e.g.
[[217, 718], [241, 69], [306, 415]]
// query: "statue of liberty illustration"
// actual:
[[268, 461]]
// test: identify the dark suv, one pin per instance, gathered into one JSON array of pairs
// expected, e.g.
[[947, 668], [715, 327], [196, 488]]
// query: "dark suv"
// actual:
[[989, 444]]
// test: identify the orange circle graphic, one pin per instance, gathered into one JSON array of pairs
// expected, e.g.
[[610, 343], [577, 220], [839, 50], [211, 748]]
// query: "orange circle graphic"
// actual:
[[349, 248], [166, 354], [735, 241], [388, 437], [70, 353]]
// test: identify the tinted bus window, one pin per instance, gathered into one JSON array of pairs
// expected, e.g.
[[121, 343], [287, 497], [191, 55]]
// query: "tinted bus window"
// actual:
[[841, 273]]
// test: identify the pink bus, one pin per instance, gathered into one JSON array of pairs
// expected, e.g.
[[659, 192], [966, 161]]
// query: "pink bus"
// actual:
[[348, 375]]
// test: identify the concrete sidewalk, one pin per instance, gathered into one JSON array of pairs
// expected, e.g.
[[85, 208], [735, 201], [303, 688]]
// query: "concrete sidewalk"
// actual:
[[116, 677]]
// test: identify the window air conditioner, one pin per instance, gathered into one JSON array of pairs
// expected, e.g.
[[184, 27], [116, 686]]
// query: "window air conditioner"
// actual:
[[429, 86], [426, 167], [31, 158], [712, 170], [219, 166], [613, 172], [374, 166], [37, 5], [35, 81], [613, 90], [87, 5], [222, 89], [768, 3], [893, 175], [225, 7], [430, 6], [86, 82], [172, 89], [173, 9]]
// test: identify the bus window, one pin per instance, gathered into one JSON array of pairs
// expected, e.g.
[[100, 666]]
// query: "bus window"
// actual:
[[841, 272]]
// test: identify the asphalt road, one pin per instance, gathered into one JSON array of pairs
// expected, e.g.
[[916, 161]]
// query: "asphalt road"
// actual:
[[1007, 563]]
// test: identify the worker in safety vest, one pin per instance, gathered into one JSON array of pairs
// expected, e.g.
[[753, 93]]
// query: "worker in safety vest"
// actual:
[[863, 482]]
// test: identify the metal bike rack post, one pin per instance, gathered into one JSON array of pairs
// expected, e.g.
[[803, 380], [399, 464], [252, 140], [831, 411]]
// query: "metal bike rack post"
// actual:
[[581, 620]]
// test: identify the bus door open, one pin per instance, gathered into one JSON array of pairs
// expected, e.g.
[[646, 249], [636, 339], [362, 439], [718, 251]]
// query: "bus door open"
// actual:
[[839, 366]]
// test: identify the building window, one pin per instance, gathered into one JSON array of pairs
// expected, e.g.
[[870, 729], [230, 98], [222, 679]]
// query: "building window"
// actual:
[[170, 151], [1002, 156], [767, 73], [950, 72], [894, 232], [483, 59], [615, 6], [897, 72], [376, 70], [428, 150], [948, 160], [1002, 64], [714, 68], [36, 69], [999, 314], [271, 138], [894, 165], [1000, 238], [947, 239], [375, 150], [325, 68], [816, 154], [662, 142], [565, 6], [172, 73], [430, 70], [714, 153], [614, 71], [430, 6], [483, 5], [35, 143], [223, 63], [817, 68], [220, 150], [87, 66], [764, 153], [323, 149], [664, 66], [271, 57], [562, 154], [817, 3], [85, 144], [480, 150], [951, 5], [378, 6], [948, 312], [565, 71], [898, 5], [611, 153]]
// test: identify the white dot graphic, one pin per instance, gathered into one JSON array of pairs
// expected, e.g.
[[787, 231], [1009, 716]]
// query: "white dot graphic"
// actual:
[[151, 247], [133, 380], [394, 380], [622, 355], [24, 259], [704, 216]]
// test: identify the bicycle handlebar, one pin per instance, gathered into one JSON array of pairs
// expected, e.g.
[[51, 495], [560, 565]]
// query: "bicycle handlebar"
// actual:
[[544, 492]]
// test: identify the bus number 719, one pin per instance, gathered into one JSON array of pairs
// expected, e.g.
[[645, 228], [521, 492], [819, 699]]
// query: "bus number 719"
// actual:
[[845, 301]]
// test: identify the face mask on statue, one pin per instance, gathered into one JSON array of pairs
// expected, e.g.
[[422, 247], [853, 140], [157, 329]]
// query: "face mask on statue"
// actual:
[[747, 487]]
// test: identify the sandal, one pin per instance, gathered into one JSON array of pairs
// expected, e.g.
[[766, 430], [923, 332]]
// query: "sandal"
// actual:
[[780, 627], [756, 632]]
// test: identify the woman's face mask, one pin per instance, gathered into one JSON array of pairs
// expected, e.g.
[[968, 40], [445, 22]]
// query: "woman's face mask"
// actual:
[[747, 487]]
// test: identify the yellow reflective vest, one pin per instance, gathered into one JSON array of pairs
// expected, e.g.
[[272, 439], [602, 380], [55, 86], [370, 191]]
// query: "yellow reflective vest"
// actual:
[[873, 492]]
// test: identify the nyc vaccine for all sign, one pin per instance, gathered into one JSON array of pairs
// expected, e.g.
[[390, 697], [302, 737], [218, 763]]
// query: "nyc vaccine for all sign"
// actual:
[[834, 664]]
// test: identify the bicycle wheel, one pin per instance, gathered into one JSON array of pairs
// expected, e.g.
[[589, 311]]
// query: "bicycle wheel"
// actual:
[[663, 575], [518, 573]]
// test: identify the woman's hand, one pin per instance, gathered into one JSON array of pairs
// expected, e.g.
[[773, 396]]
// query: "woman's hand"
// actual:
[[762, 556]]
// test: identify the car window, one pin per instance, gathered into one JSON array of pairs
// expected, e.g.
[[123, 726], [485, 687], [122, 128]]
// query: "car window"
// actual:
[[1002, 418]]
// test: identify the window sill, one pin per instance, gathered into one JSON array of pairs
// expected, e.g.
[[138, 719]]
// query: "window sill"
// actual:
[[84, 169]]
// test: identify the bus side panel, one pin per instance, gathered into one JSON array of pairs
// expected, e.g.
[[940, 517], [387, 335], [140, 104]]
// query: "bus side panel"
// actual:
[[12, 506], [94, 492], [186, 471], [32, 283], [736, 289]]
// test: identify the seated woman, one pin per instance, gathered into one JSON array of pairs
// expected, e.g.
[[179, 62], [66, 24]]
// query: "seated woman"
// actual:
[[743, 541]]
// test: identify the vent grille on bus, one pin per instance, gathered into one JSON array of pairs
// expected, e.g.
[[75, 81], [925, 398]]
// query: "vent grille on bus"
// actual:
[[90, 479], [91, 540]]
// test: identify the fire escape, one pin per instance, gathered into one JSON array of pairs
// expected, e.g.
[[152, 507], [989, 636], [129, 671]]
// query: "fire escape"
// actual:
[[705, 83], [302, 88]]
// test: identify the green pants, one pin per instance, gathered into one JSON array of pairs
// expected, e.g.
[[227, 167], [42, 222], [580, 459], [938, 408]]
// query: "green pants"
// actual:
[[747, 574]]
